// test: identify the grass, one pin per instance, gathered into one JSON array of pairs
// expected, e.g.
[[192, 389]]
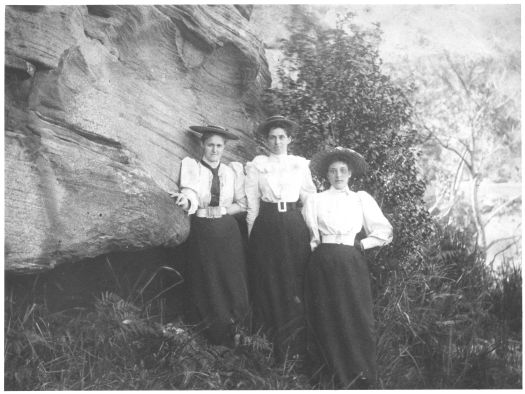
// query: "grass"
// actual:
[[446, 322], [110, 325], [115, 347], [443, 321]]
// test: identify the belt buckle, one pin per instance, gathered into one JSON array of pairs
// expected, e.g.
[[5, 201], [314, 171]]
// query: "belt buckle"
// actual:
[[213, 212], [281, 206]]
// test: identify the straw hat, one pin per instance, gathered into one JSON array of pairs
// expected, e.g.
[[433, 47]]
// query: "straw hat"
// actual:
[[322, 160], [210, 129], [276, 120]]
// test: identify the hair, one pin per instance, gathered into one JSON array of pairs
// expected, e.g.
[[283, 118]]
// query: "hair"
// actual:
[[282, 125], [206, 136]]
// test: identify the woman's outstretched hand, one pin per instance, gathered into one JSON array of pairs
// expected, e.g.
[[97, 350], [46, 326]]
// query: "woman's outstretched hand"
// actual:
[[181, 200]]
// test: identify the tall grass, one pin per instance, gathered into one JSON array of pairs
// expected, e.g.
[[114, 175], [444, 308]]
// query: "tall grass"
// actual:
[[122, 343], [443, 321]]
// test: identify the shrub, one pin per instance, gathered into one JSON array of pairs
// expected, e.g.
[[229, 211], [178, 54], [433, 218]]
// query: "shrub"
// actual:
[[435, 329], [331, 82], [432, 294], [115, 346]]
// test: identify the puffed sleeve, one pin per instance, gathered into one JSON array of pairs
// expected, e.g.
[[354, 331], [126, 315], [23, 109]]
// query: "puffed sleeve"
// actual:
[[239, 196], [308, 186], [189, 182], [310, 217], [251, 187], [377, 227]]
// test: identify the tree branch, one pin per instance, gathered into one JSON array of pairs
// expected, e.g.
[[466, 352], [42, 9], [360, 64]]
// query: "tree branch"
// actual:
[[457, 73], [459, 171], [452, 149], [500, 208], [502, 250], [438, 201], [514, 237]]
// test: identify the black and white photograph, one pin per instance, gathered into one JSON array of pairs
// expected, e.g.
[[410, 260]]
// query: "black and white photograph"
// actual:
[[262, 196]]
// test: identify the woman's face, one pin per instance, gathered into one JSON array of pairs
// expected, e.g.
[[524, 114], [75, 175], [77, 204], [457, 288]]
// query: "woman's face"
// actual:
[[339, 174], [213, 147], [278, 141]]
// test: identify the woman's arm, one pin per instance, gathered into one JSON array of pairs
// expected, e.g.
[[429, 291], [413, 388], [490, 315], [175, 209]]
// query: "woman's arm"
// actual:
[[239, 195], [377, 227], [310, 217], [189, 183], [308, 186], [251, 188]]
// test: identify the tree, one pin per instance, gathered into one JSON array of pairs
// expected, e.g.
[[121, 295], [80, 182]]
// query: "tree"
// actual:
[[471, 123], [331, 83]]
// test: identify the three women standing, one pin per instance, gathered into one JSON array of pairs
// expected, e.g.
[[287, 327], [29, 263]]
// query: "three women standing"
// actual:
[[212, 192], [279, 239], [335, 295], [338, 294]]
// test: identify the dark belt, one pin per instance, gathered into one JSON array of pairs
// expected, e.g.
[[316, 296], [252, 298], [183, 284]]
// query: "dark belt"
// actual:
[[279, 206]]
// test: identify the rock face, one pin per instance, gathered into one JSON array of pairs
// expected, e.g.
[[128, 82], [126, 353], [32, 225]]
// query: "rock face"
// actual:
[[98, 100]]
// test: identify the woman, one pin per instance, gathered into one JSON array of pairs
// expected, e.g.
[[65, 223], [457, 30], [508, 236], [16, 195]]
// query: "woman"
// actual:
[[338, 295], [279, 241], [212, 192]]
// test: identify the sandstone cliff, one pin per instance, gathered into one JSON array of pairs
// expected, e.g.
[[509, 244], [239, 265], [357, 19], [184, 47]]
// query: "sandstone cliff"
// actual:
[[98, 100]]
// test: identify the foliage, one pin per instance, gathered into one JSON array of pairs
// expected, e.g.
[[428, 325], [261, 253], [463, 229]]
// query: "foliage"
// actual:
[[435, 302], [443, 320], [440, 323], [469, 111], [506, 298], [331, 83], [115, 346]]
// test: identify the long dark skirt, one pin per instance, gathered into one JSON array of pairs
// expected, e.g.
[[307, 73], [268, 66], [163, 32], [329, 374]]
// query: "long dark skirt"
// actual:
[[278, 251], [217, 277], [339, 313]]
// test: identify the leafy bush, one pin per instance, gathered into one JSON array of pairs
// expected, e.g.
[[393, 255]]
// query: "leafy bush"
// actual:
[[443, 320], [433, 296], [435, 329], [331, 82]]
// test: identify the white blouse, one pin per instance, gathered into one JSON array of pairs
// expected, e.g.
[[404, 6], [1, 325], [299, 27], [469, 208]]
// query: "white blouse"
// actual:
[[344, 213], [276, 178], [195, 183]]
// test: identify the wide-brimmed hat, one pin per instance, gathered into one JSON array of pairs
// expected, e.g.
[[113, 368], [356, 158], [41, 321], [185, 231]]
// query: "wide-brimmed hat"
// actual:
[[276, 120], [322, 160], [211, 129]]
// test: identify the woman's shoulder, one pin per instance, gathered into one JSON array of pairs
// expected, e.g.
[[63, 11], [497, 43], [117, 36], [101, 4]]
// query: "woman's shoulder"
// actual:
[[189, 160], [189, 163], [258, 162], [364, 194], [322, 196], [299, 159], [298, 162], [259, 159], [365, 197], [234, 167]]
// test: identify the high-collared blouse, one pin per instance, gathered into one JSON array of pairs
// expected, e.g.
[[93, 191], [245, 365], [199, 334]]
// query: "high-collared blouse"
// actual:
[[276, 178], [195, 183], [344, 213]]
